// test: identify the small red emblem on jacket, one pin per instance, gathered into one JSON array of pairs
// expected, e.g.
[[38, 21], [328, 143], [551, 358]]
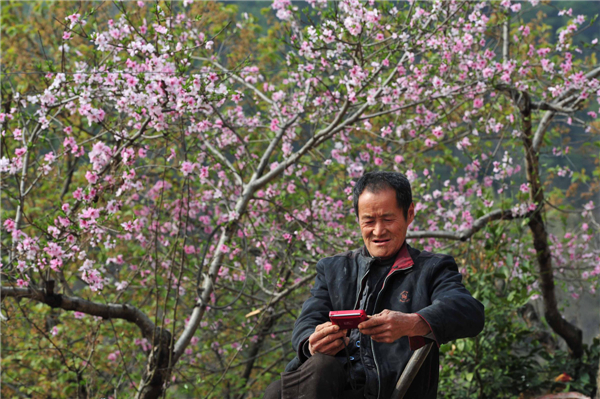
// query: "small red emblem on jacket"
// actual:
[[404, 296]]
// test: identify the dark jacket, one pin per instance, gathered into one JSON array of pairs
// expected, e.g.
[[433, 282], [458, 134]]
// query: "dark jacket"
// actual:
[[431, 287]]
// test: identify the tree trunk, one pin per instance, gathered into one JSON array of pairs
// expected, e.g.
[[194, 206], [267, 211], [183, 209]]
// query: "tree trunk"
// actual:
[[256, 348], [158, 368], [569, 332]]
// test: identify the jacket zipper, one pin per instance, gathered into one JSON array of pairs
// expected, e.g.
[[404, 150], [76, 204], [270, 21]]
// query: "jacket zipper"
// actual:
[[372, 349], [361, 284]]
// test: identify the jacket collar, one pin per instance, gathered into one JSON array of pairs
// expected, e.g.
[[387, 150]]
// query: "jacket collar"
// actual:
[[403, 261]]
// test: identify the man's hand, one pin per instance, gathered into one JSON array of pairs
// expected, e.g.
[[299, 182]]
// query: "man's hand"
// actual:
[[389, 325], [327, 339]]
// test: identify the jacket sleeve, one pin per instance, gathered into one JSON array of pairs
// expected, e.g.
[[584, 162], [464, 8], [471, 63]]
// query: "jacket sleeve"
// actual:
[[453, 312], [315, 311]]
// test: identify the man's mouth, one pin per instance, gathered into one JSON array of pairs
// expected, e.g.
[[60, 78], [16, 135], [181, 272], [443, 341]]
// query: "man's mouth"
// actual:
[[380, 242]]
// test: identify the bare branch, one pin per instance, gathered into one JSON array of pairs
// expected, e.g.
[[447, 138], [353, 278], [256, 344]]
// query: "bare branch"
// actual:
[[265, 158], [106, 311], [222, 158], [279, 296], [544, 106], [464, 235], [505, 39]]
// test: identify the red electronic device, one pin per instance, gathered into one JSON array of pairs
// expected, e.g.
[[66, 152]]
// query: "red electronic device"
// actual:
[[347, 319]]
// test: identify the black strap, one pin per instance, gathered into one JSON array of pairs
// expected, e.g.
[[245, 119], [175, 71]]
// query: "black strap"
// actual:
[[349, 365]]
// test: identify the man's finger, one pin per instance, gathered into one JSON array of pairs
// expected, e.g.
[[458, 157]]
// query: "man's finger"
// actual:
[[375, 321], [325, 331], [333, 337], [375, 330], [318, 344], [322, 326], [333, 347]]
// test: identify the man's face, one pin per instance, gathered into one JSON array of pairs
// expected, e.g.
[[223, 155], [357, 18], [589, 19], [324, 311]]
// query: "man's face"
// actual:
[[382, 222]]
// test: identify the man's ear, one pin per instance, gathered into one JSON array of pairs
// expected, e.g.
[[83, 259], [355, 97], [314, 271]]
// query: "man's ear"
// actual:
[[411, 213]]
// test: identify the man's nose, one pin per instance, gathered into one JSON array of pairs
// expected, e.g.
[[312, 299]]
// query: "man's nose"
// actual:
[[379, 229]]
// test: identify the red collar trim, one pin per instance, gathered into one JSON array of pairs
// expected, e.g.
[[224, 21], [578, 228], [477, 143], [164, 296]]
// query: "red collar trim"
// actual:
[[403, 260]]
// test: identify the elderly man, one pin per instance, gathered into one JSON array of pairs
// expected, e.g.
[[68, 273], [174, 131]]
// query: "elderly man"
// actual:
[[411, 295]]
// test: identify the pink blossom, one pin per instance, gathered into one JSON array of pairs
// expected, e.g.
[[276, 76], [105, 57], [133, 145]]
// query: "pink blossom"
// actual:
[[515, 7], [55, 250], [189, 249], [49, 157], [524, 188], [478, 103], [291, 188], [112, 357], [203, 172], [465, 142], [430, 143], [113, 206], [267, 267], [91, 177], [353, 25], [90, 213], [187, 167], [281, 4], [224, 248], [411, 175], [584, 227], [9, 225], [286, 148], [487, 73], [78, 194], [73, 18], [93, 278]]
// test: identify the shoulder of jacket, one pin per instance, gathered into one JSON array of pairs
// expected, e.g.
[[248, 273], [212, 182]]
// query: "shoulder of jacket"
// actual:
[[341, 257], [435, 263], [427, 254], [432, 258]]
